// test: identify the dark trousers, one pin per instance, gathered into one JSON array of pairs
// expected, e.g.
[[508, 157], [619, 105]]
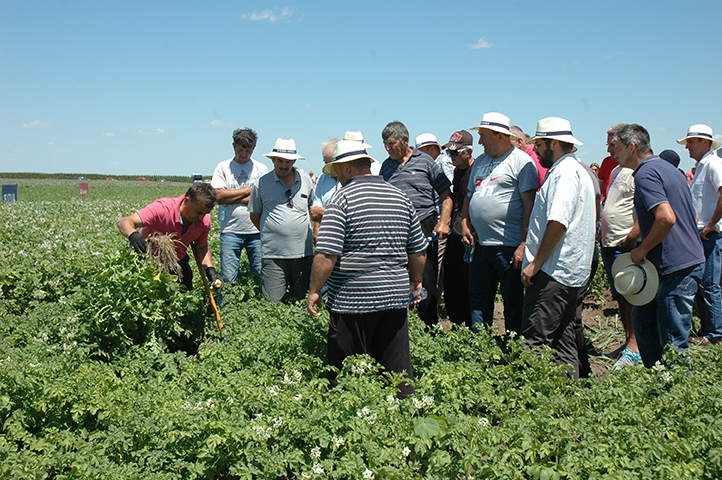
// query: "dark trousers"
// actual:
[[456, 282], [549, 316], [585, 369], [428, 309], [384, 335], [186, 272]]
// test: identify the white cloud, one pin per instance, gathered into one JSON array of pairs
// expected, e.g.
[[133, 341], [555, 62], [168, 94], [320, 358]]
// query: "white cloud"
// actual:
[[148, 133], [36, 124], [718, 137], [480, 44], [221, 123], [307, 106], [609, 57], [109, 134], [50, 144], [270, 15]]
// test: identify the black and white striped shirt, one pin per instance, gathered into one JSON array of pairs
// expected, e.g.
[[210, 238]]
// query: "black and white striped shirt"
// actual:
[[372, 227]]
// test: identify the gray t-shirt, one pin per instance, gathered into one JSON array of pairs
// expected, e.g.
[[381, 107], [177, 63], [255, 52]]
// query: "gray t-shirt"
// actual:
[[285, 230], [495, 206], [231, 175]]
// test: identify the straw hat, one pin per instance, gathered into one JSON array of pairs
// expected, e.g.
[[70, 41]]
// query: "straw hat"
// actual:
[[497, 122], [555, 128], [284, 149], [346, 151], [637, 283], [357, 137], [700, 131], [426, 139]]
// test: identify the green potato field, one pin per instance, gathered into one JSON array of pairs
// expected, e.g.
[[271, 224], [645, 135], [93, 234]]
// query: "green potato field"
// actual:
[[100, 378]]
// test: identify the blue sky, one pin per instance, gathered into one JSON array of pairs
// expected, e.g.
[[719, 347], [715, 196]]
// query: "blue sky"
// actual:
[[157, 87]]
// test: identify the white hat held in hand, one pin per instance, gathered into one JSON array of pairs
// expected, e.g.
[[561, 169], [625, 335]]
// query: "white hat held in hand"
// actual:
[[637, 283]]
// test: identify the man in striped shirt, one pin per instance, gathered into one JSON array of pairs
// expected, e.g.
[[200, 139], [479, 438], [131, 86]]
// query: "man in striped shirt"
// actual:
[[371, 250]]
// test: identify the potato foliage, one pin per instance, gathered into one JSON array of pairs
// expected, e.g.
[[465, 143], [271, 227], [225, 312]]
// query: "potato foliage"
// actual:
[[89, 389]]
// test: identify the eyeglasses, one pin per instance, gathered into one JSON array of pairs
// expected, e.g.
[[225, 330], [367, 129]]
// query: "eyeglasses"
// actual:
[[290, 198]]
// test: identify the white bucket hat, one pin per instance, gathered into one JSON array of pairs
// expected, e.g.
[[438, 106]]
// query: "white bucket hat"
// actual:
[[357, 137], [497, 122], [284, 149], [555, 128], [426, 139], [346, 151], [637, 283], [703, 132]]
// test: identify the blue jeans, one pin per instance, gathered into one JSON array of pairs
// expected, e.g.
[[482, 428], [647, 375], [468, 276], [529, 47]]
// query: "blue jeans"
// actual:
[[232, 244], [667, 318], [709, 294], [492, 265]]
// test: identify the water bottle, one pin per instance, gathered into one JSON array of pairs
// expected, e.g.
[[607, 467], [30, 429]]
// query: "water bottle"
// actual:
[[418, 295], [221, 213], [469, 253]]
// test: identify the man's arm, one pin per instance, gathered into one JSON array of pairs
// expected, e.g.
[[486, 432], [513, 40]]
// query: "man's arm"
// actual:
[[416, 270], [551, 238], [527, 200], [630, 241], [129, 224], [322, 267], [227, 197], [256, 220], [467, 229], [716, 215], [316, 212], [447, 204], [664, 219]]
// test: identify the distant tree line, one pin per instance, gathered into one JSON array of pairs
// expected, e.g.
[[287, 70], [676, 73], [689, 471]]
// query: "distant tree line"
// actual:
[[97, 176]]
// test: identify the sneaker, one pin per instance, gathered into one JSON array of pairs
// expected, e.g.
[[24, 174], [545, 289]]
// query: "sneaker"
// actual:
[[628, 359]]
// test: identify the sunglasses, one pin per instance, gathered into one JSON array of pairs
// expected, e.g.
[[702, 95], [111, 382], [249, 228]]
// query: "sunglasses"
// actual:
[[453, 153], [290, 198]]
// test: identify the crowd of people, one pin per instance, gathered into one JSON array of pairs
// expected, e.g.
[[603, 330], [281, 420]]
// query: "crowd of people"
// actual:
[[525, 217]]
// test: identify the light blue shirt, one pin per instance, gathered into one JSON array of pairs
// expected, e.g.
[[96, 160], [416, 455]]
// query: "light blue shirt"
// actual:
[[567, 197], [326, 188]]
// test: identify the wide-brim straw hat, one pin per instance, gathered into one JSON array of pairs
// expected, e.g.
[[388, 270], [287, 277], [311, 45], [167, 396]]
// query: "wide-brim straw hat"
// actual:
[[557, 129], [497, 122], [284, 149], [357, 137], [426, 139], [700, 131], [637, 283], [346, 151]]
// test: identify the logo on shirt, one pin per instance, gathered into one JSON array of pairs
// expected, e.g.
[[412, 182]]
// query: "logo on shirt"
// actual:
[[494, 178], [478, 182]]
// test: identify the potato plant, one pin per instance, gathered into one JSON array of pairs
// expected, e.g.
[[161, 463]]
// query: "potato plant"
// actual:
[[257, 404]]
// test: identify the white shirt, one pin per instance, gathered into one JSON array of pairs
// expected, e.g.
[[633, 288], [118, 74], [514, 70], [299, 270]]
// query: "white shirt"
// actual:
[[567, 197], [231, 175], [619, 215], [705, 188]]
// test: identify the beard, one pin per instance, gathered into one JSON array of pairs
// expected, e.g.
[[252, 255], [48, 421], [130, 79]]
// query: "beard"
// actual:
[[547, 160]]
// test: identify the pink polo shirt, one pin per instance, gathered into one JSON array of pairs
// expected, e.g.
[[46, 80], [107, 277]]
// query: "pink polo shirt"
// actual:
[[163, 216], [541, 171]]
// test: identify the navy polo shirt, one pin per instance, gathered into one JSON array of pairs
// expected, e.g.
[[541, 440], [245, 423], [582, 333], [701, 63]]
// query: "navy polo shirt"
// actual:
[[658, 181], [419, 178]]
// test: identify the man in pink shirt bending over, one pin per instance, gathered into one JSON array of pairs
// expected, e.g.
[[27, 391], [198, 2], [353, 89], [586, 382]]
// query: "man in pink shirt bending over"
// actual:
[[187, 219]]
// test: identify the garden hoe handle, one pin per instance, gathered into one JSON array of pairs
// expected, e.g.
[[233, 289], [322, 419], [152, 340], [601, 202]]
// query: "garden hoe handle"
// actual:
[[209, 293]]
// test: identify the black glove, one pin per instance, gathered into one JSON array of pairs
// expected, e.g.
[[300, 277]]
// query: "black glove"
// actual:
[[214, 278], [137, 242]]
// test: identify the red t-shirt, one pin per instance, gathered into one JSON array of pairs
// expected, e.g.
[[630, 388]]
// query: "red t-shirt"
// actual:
[[163, 216], [605, 171], [541, 171]]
